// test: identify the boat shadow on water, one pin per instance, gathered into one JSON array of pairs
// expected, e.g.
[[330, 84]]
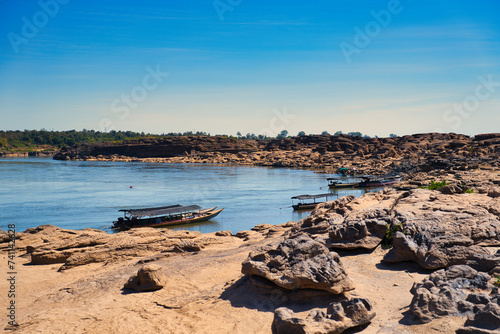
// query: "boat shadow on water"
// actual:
[[195, 226]]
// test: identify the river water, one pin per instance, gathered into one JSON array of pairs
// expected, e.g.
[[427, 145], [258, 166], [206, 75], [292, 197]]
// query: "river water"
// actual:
[[83, 194]]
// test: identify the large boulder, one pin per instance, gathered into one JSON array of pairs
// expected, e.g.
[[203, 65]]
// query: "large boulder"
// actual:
[[338, 317], [325, 215], [485, 321], [299, 263], [458, 290], [443, 230], [432, 229], [432, 251], [350, 223]]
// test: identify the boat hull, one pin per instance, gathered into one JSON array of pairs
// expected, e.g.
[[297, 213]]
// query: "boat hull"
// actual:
[[378, 183], [204, 215], [299, 207], [343, 185]]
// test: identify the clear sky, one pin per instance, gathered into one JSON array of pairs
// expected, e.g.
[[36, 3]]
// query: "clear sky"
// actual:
[[223, 66]]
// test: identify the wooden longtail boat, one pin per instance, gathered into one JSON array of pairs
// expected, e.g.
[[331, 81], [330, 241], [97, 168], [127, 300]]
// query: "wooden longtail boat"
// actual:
[[164, 216], [362, 181], [301, 205], [379, 181], [343, 182]]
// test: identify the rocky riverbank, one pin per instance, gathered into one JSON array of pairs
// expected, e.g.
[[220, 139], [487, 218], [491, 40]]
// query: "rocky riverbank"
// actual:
[[27, 154], [376, 156], [330, 272]]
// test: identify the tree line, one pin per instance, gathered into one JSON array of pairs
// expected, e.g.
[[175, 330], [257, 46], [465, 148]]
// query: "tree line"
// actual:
[[285, 134], [16, 140], [30, 139]]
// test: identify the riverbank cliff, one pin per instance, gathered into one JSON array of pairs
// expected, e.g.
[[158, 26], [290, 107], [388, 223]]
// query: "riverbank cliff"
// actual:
[[321, 152]]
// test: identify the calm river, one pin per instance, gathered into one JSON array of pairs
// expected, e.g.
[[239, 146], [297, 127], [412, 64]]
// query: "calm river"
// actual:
[[77, 194]]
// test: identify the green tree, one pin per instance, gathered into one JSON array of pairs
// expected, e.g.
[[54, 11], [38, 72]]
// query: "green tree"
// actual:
[[283, 134], [356, 134]]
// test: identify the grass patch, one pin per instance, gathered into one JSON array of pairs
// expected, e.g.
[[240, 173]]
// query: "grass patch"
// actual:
[[436, 185], [388, 240], [497, 283], [469, 191]]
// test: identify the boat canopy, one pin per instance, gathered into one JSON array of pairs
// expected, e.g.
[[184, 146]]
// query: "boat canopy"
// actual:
[[303, 197], [161, 211]]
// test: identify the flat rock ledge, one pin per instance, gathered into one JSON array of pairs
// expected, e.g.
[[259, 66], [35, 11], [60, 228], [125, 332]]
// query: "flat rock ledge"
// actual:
[[338, 317], [299, 263], [49, 244]]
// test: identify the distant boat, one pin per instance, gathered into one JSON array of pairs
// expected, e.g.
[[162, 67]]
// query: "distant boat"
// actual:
[[302, 205], [164, 216], [343, 182], [379, 181]]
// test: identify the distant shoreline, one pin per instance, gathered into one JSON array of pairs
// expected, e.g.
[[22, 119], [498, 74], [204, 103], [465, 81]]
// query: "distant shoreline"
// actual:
[[26, 154], [375, 156]]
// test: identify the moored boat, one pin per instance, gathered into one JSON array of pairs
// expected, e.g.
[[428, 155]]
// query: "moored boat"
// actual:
[[379, 181], [343, 182], [164, 216], [302, 205]]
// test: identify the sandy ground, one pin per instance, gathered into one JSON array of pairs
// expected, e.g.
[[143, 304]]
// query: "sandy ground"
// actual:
[[205, 293]]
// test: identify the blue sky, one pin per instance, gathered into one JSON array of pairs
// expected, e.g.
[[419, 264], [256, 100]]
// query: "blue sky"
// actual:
[[224, 66]]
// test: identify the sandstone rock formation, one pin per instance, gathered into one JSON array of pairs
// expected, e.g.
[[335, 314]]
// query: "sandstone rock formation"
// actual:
[[337, 318], [299, 263], [443, 230], [49, 244], [433, 229], [458, 290], [486, 320], [455, 233], [350, 223], [149, 278], [427, 151]]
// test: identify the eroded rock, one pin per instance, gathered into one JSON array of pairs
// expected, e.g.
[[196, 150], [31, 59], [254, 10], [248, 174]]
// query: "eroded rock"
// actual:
[[49, 244], [443, 230], [337, 318], [458, 290], [299, 263], [486, 320]]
